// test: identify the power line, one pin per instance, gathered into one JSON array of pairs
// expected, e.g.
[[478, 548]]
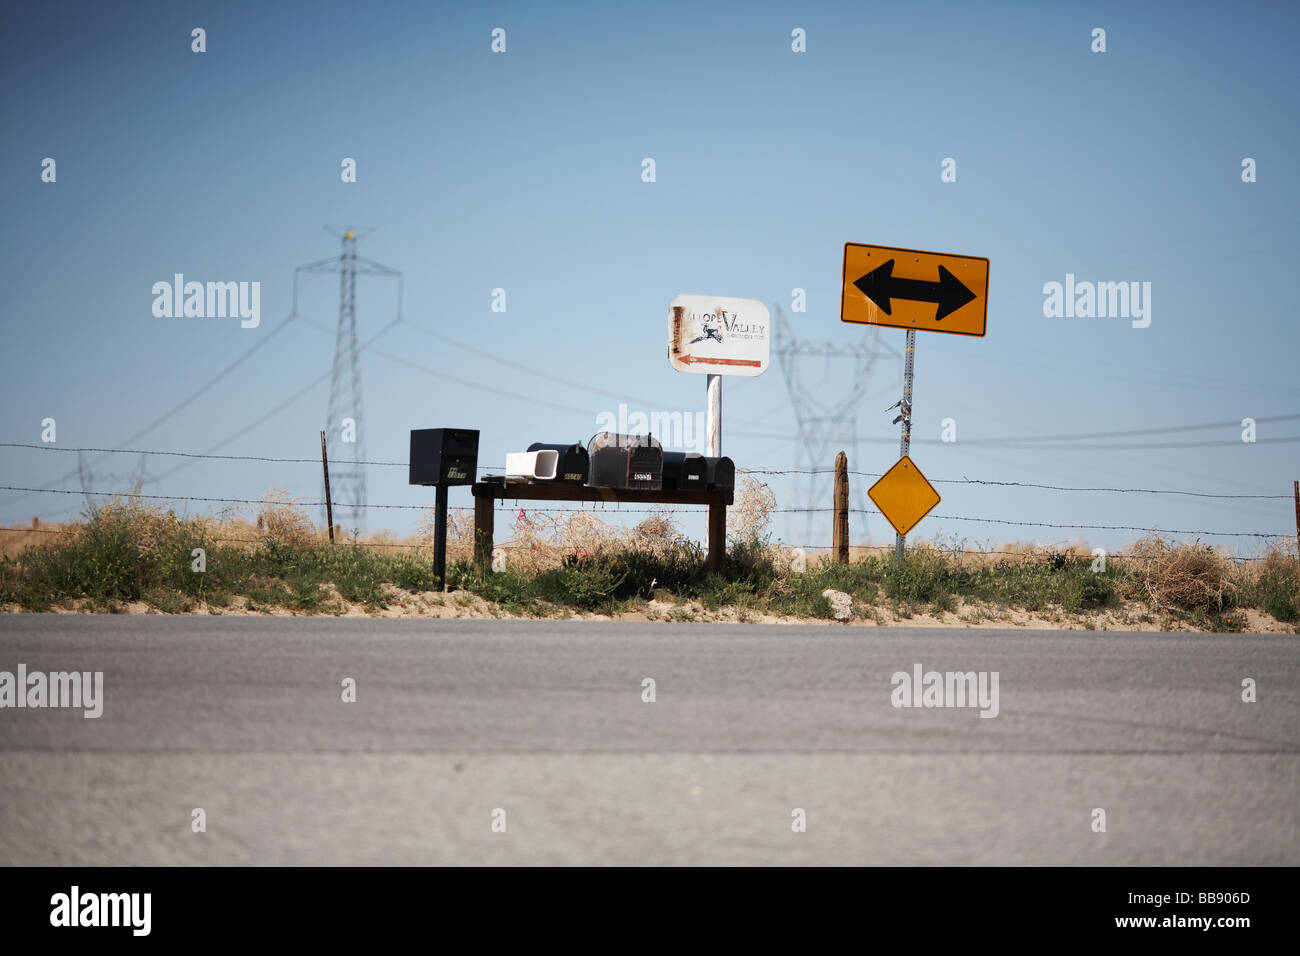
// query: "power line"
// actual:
[[319, 380], [238, 501], [1142, 446], [182, 454], [1160, 430], [203, 389], [1013, 441], [743, 471], [1031, 443], [1011, 484], [465, 382], [274, 410], [193, 396], [546, 376]]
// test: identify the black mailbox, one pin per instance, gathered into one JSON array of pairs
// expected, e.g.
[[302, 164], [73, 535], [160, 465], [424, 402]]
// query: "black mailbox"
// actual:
[[720, 473], [637, 467], [574, 464], [443, 456], [626, 461], [645, 467], [684, 471]]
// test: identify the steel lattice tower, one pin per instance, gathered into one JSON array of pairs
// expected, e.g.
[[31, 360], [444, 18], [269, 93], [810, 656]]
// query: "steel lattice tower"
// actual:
[[347, 480], [136, 479], [828, 423]]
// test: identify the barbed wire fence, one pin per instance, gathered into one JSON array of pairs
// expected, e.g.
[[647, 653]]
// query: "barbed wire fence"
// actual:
[[613, 509]]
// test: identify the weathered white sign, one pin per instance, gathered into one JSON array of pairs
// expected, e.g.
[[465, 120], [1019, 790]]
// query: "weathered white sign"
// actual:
[[718, 335]]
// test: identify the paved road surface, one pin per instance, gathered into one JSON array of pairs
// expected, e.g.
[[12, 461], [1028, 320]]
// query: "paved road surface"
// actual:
[[244, 718]]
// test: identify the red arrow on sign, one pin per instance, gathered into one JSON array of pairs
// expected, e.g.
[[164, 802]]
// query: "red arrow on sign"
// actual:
[[696, 360]]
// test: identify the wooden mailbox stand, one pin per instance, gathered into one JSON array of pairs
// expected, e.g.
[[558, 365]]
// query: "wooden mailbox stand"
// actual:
[[487, 493]]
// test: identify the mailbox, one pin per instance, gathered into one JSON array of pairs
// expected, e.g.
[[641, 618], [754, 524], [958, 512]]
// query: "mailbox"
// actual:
[[443, 456], [720, 473], [626, 461], [574, 463], [684, 471], [532, 465]]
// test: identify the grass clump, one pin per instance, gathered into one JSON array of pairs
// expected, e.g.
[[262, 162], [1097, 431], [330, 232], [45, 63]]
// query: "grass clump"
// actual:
[[1276, 588], [1190, 576]]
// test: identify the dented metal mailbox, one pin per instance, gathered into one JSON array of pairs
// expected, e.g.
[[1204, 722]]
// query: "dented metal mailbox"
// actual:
[[626, 461]]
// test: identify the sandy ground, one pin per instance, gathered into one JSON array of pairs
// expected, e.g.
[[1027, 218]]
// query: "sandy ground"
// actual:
[[969, 614], [1131, 616]]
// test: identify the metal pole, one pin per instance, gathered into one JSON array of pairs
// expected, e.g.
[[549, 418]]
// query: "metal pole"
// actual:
[[905, 413], [713, 429], [440, 536], [329, 508]]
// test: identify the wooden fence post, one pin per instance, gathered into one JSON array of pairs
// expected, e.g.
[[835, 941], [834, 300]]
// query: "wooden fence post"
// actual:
[[840, 532], [329, 507]]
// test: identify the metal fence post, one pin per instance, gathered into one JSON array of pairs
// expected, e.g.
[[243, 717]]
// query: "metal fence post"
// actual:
[[905, 443]]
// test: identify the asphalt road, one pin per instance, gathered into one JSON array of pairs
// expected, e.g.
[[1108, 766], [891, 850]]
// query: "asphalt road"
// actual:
[[453, 720]]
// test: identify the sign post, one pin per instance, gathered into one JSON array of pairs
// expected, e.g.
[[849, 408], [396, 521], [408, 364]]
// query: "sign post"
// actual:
[[718, 336], [713, 418], [905, 415], [911, 289]]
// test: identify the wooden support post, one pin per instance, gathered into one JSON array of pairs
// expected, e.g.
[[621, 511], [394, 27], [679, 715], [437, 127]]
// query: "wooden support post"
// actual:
[[1295, 485], [329, 507], [717, 538], [840, 532], [484, 529]]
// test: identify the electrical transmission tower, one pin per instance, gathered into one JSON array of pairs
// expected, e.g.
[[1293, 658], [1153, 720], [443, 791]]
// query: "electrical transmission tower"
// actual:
[[101, 480], [345, 421], [828, 423]]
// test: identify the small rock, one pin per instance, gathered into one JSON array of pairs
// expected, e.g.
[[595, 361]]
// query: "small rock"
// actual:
[[841, 604]]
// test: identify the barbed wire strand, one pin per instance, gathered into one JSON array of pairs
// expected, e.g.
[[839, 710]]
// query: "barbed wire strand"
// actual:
[[616, 510], [743, 471]]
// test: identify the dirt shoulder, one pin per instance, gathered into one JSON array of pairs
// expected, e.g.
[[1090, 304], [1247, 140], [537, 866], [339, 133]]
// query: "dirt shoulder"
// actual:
[[464, 605]]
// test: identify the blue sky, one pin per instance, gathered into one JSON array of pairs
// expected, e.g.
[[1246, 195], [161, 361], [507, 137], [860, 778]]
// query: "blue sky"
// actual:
[[522, 171]]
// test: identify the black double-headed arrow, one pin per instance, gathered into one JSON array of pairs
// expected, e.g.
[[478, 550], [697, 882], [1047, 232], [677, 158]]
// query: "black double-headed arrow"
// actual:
[[879, 285]]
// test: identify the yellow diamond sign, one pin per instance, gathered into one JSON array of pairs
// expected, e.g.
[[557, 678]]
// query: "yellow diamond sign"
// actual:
[[903, 495]]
